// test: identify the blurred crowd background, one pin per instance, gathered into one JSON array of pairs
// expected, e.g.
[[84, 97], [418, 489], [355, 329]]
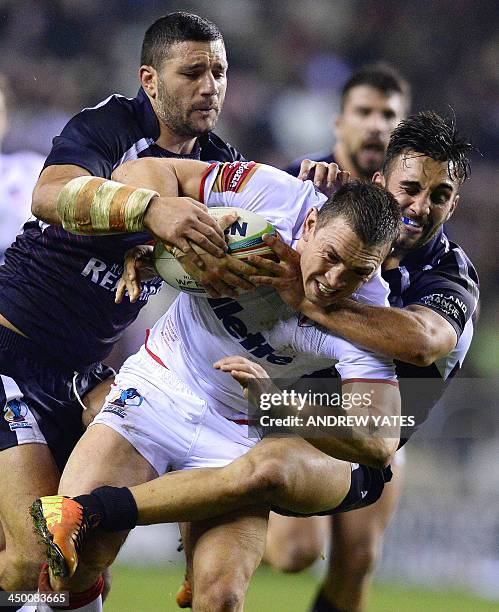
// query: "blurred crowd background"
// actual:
[[288, 62]]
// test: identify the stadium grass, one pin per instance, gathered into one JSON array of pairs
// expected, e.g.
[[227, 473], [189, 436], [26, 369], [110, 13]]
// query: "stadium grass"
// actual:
[[152, 589]]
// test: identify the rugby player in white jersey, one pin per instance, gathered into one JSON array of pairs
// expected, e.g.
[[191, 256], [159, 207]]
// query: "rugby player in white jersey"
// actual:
[[171, 410]]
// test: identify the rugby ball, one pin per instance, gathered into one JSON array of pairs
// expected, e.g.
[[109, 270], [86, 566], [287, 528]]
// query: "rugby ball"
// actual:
[[244, 237]]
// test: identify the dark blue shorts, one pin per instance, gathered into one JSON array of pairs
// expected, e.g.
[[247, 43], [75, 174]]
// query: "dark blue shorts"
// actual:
[[37, 397], [366, 488]]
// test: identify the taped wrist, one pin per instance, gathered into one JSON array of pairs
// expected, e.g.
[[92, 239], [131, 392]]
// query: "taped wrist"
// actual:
[[93, 205]]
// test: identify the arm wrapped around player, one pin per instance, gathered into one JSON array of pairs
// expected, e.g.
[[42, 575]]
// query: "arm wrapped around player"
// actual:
[[93, 205]]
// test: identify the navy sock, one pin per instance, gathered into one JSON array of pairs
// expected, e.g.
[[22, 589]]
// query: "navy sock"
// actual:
[[321, 604], [110, 508]]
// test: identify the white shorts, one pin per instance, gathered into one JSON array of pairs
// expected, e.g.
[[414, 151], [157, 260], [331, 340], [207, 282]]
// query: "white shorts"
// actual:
[[399, 458], [168, 424]]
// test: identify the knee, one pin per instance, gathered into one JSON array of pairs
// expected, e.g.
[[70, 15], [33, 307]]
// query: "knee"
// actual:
[[294, 557], [264, 479], [218, 594], [294, 544], [362, 557]]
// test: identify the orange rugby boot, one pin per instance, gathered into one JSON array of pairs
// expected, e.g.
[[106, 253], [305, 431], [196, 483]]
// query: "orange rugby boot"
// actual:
[[184, 594], [61, 523]]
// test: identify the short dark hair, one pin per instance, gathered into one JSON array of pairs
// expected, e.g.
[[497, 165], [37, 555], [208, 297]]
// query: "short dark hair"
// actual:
[[171, 29], [382, 77], [430, 135], [371, 212]]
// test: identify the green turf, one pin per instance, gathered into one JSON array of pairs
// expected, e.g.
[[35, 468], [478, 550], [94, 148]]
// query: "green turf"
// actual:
[[138, 589]]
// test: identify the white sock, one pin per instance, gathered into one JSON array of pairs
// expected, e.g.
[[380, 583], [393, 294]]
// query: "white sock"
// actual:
[[93, 606]]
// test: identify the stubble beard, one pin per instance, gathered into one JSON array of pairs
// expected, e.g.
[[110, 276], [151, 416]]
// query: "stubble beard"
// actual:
[[362, 173], [169, 113]]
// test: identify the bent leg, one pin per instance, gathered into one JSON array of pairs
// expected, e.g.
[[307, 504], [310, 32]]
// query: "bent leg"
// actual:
[[225, 552], [285, 472], [101, 457], [28, 471], [357, 545]]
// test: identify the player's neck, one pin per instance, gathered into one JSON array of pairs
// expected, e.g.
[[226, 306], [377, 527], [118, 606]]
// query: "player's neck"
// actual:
[[169, 140], [393, 260], [344, 161]]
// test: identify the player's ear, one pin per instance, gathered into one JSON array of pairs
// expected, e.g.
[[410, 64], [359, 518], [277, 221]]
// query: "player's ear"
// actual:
[[379, 179], [452, 208], [310, 223], [337, 123], [149, 80]]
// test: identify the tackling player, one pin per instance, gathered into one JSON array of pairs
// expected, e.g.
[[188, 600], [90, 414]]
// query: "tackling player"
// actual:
[[184, 414], [58, 318]]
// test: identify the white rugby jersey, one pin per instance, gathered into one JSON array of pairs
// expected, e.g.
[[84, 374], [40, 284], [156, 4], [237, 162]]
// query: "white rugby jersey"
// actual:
[[195, 332]]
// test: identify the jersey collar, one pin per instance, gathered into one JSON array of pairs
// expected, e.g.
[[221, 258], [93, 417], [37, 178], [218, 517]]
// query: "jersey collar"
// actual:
[[427, 254], [146, 116]]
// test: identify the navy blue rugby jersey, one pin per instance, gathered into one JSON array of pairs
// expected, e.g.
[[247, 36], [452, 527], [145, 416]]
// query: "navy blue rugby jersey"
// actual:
[[439, 276], [58, 287]]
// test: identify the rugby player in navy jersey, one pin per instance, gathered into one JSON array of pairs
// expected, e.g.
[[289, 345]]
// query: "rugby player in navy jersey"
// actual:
[[58, 318], [373, 101]]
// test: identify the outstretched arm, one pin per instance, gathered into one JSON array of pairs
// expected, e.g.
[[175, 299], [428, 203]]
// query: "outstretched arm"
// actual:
[[370, 437], [414, 334], [69, 195], [178, 181]]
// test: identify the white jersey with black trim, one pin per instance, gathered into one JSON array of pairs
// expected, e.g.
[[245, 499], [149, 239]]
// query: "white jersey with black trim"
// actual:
[[196, 332]]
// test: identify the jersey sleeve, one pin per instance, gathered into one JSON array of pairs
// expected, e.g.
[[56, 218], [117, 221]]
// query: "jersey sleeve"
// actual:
[[450, 289], [356, 363], [275, 195], [375, 292], [92, 140]]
